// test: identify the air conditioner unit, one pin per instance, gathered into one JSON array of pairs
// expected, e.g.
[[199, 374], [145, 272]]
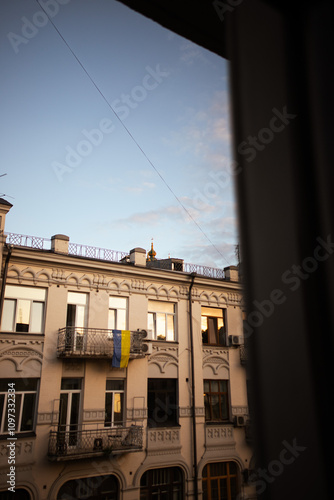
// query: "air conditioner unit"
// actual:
[[147, 348], [147, 334], [239, 421], [234, 340]]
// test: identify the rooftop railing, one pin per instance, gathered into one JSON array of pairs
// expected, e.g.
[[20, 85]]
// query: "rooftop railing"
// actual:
[[106, 254], [83, 443]]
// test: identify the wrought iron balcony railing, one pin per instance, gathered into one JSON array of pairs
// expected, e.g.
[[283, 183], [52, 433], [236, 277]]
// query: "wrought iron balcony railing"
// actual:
[[84, 443], [75, 342]]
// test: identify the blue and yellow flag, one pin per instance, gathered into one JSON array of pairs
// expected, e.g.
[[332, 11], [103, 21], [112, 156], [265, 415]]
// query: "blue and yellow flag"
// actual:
[[121, 353]]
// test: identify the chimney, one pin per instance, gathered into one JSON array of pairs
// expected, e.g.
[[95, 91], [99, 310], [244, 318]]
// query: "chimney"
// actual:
[[138, 256], [59, 243], [231, 273]]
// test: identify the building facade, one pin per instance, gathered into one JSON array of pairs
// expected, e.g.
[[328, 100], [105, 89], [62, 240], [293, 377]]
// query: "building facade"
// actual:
[[164, 418]]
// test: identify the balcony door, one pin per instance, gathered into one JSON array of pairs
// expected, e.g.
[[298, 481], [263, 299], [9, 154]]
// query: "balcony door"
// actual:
[[76, 320], [69, 411]]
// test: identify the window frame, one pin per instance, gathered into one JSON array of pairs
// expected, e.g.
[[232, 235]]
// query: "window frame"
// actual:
[[153, 322], [149, 486], [10, 296], [208, 477], [18, 406], [221, 336], [113, 392], [116, 321], [223, 399]]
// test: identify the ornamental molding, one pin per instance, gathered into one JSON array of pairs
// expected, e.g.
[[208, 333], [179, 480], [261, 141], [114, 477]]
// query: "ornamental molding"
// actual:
[[163, 357], [216, 359], [219, 437], [163, 441], [17, 350], [240, 410]]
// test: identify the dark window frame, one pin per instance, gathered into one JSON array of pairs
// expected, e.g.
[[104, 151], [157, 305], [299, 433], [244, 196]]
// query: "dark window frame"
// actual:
[[162, 402]]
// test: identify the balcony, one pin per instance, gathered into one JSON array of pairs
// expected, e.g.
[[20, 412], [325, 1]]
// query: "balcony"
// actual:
[[79, 444], [94, 343], [243, 355]]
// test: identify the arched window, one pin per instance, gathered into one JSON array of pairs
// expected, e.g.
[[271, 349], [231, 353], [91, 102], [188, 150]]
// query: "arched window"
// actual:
[[220, 480], [164, 483], [90, 488]]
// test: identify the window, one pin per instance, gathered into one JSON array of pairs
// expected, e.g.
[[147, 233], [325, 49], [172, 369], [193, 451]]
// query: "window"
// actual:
[[25, 403], [220, 480], [216, 401], [76, 320], [213, 325], [114, 404], [69, 410], [162, 483], [90, 488], [117, 319], [23, 309], [161, 320], [162, 402]]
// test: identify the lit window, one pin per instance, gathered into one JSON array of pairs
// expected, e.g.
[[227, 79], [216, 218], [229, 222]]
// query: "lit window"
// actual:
[[216, 401], [114, 403], [161, 320], [117, 319], [24, 403], [213, 326], [23, 309]]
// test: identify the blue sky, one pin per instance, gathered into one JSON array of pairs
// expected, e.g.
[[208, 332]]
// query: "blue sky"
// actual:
[[73, 151]]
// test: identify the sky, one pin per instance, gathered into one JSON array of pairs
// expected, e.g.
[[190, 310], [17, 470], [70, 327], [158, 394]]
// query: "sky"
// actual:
[[114, 131]]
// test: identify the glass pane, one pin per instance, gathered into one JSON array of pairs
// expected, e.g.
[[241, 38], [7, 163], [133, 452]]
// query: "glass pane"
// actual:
[[112, 319], [25, 292], [2, 416], [157, 306], [23, 315], [25, 384], [115, 385], [214, 386], [108, 406], [207, 407], [70, 318], [18, 401], [77, 298], [27, 420], [206, 386], [151, 324], [161, 326], [233, 467], [118, 408], [8, 315], [212, 325], [80, 318], [121, 319], [170, 327], [63, 411], [215, 407], [224, 408], [214, 312], [214, 489], [70, 383], [223, 385], [37, 313], [117, 302], [74, 417], [204, 328]]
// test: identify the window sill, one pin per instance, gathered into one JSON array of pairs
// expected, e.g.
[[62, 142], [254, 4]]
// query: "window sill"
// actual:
[[18, 435], [22, 335]]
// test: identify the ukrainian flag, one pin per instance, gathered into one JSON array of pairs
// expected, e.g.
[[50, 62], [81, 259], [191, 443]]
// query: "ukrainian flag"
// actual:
[[121, 353]]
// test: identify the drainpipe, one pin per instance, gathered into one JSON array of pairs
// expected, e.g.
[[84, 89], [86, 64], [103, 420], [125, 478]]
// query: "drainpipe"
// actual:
[[4, 278], [193, 386]]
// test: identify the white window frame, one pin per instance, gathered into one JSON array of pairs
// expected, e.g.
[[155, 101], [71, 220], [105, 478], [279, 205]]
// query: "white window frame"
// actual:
[[16, 294], [9, 400], [113, 392], [114, 310], [153, 310]]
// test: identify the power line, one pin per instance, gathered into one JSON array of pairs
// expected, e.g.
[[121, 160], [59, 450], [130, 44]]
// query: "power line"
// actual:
[[130, 134]]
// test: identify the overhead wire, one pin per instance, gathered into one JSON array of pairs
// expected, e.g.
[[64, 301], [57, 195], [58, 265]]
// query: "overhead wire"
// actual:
[[130, 134]]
